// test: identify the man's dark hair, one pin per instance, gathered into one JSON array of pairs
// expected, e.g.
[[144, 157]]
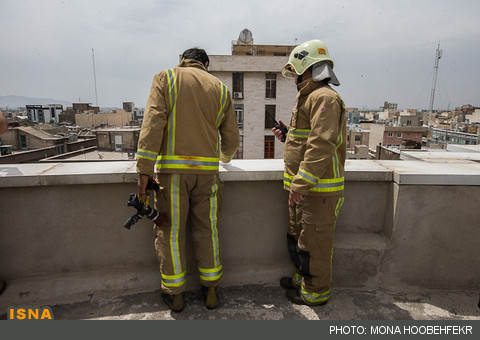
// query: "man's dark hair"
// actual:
[[197, 54]]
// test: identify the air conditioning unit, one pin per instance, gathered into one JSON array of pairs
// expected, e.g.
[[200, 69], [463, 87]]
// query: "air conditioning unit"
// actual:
[[237, 95]]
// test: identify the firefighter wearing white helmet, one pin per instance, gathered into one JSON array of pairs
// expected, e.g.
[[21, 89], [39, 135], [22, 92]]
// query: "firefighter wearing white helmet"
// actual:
[[314, 154], [305, 55]]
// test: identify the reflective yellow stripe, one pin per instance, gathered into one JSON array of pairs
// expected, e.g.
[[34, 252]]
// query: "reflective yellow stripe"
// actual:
[[147, 154], [314, 297], [223, 101], [339, 206], [173, 280], [310, 178], [210, 274], [213, 223], [175, 228], [287, 179], [322, 185], [172, 91], [300, 133], [298, 278], [336, 166], [337, 211], [227, 158], [329, 185], [186, 162]]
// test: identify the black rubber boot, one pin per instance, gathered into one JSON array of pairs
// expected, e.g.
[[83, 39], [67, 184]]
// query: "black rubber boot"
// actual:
[[210, 297], [287, 283], [175, 302]]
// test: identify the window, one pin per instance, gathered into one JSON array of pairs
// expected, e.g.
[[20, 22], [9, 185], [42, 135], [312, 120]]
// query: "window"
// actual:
[[390, 134], [409, 122], [23, 142], [60, 149], [239, 153], [269, 147], [357, 138], [239, 111], [269, 116], [238, 85], [399, 135], [271, 85]]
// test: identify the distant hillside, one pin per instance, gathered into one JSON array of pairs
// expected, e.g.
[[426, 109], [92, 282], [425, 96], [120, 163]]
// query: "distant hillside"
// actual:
[[13, 102]]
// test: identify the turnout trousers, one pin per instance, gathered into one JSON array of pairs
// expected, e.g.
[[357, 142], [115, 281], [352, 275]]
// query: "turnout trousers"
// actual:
[[310, 244], [193, 198]]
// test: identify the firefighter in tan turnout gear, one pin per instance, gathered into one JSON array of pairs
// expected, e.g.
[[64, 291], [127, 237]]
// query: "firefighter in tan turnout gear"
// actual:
[[186, 111], [314, 157]]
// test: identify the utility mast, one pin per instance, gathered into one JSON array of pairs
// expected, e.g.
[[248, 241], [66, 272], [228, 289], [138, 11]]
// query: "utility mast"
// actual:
[[94, 77], [438, 55]]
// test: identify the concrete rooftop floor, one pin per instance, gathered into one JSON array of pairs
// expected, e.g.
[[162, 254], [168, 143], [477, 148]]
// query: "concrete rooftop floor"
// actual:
[[261, 302]]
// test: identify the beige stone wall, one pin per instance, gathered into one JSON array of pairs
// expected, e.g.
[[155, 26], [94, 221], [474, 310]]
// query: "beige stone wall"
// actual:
[[376, 135]]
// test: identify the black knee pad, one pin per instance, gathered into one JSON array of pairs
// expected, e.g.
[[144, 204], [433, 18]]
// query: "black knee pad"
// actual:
[[304, 258], [292, 250]]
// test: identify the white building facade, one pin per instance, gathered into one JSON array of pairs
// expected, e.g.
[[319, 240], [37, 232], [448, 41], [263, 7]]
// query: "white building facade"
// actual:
[[44, 113], [258, 88]]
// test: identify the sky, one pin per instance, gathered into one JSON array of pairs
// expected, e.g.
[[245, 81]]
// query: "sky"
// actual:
[[384, 50]]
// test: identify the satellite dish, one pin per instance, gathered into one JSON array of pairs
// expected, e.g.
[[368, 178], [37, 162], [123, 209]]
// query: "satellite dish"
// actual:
[[246, 37]]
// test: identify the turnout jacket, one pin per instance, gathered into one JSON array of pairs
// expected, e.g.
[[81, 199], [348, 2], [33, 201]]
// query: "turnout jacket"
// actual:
[[315, 147], [186, 110]]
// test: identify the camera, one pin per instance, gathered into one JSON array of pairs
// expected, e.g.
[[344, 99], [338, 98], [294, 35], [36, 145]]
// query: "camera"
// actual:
[[143, 209]]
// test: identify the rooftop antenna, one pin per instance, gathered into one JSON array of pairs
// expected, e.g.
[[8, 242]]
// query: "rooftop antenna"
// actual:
[[94, 77], [438, 55]]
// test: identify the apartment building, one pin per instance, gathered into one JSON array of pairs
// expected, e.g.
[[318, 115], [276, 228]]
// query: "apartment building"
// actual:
[[396, 136], [44, 114], [253, 75], [409, 117], [441, 136], [474, 118], [357, 136]]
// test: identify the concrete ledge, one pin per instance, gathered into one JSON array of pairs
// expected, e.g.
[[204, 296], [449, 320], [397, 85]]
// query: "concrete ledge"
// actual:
[[401, 172], [428, 173]]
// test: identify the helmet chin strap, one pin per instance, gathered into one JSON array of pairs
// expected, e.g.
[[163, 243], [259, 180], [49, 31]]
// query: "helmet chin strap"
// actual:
[[299, 79]]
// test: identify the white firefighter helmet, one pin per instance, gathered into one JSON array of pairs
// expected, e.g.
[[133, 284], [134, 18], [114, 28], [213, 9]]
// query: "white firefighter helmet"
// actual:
[[305, 55]]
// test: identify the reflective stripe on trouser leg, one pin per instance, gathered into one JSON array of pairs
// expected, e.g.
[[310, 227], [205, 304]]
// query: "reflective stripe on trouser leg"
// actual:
[[175, 214], [170, 241], [204, 205], [297, 279], [213, 223], [314, 297]]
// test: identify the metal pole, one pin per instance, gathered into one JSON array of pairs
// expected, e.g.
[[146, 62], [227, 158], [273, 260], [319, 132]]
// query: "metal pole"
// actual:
[[438, 55], [94, 77]]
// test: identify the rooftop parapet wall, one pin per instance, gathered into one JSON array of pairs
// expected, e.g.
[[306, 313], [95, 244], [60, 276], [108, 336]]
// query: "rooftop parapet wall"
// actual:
[[454, 172], [236, 63], [403, 224]]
